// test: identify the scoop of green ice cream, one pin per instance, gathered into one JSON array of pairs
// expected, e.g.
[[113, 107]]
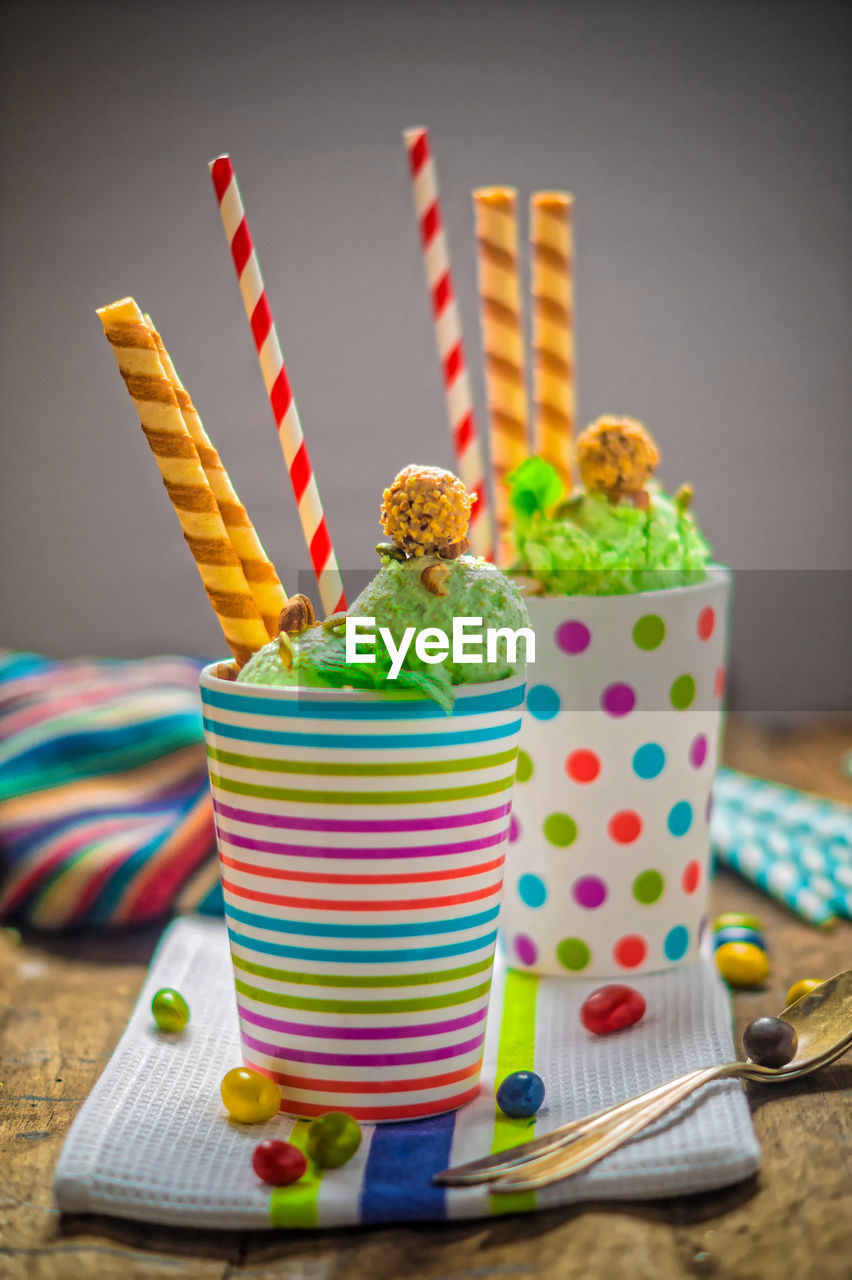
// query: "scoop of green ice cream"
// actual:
[[317, 660], [267, 666], [402, 595], [398, 598], [591, 545]]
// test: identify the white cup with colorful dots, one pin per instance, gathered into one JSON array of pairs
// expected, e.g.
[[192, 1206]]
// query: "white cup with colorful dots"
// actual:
[[606, 872]]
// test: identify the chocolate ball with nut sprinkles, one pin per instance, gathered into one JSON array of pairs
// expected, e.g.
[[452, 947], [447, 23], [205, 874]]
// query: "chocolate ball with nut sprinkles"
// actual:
[[426, 511], [617, 456]]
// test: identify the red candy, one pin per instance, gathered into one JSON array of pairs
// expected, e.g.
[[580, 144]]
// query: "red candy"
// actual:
[[278, 1162], [612, 1008]]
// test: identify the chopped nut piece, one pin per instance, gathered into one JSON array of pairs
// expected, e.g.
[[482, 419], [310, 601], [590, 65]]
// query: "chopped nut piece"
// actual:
[[683, 498], [334, 621], [434, 579], [390, 551], [527, 586], [226, 671], [297, 615], [285, 650]]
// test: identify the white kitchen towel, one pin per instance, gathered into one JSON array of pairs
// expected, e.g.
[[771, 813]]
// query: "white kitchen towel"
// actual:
[[154, 1142]]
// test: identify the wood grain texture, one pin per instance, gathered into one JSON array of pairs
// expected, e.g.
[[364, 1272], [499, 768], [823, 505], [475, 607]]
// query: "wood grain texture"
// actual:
[[64, 1003]]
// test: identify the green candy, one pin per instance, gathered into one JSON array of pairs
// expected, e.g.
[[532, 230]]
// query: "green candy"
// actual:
[[170, 1010], [333, 1139], [736, 920]]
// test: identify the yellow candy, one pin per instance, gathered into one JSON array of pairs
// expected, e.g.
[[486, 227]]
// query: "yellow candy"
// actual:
[[801, 988], [249, 1096], [742, 964]]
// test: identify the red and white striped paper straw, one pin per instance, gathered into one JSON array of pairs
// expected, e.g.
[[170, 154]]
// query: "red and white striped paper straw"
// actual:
[[283, 405], [448, 335]]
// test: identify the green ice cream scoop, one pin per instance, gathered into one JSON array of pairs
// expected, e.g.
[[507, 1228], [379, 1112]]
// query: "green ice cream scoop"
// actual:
[[603, 542], [403, 595], [420, 593], [426, 583]]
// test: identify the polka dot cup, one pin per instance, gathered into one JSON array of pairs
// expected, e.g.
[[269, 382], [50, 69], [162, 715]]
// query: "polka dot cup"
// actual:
[[606, 871]]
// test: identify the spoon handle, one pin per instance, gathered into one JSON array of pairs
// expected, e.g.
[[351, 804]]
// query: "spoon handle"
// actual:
[[607, 1134], [490, 1167]]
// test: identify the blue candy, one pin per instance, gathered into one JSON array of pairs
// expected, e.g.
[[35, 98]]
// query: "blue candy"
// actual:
[[737, 933], [521, 1094]]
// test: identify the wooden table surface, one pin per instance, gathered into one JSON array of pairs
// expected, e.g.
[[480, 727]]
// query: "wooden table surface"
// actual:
[[64, 1002]]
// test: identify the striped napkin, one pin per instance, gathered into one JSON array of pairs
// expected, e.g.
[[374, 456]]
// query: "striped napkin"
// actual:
[[153, 1141]]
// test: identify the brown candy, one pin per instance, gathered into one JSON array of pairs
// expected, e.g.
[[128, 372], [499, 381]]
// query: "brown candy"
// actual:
[[770, 1042]]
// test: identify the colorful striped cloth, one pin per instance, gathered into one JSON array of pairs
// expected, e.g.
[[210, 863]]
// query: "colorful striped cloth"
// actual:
[[153, 1141], [105, 811]]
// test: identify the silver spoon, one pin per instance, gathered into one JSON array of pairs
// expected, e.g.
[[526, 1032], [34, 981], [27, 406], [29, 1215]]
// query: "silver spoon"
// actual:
[[823, 1023]]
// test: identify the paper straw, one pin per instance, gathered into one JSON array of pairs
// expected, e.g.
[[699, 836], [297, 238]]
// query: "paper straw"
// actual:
[[281, 400], [264, 584], [186, 484], [552, 288], [502, 345], [448, 336]]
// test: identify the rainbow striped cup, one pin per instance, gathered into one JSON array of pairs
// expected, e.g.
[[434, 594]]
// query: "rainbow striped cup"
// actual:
[[361, 841]]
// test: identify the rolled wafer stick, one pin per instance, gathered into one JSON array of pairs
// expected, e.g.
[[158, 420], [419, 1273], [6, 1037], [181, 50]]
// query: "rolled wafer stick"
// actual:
[[264, 583], [552, 287], [186, 484], [502, 344]]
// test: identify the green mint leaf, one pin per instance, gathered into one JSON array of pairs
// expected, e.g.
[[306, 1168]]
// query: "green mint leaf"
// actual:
[[534, 486]]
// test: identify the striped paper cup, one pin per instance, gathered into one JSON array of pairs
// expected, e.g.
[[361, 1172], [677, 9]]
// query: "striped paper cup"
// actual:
[[606, 872], [361, 840]]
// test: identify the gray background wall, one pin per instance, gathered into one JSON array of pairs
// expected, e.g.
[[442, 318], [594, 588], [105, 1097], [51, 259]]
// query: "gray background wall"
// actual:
[[707, 145]]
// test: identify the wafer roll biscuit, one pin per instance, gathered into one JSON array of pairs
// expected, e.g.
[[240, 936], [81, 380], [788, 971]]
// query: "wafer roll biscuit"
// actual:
[[502, 343], [184, 478], [552, 287], [264, 584]]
